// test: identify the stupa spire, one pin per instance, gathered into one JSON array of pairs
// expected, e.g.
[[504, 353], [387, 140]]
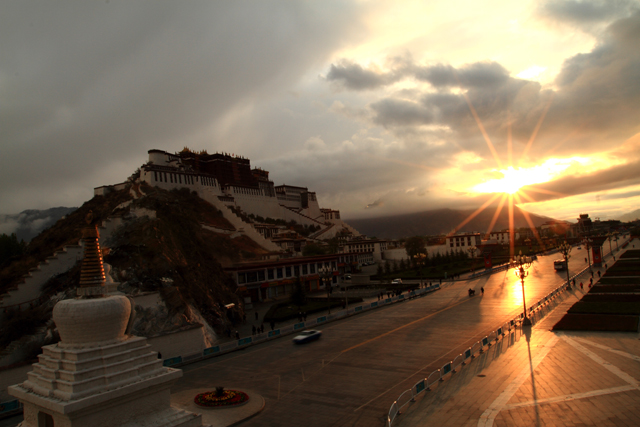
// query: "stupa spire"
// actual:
[[92, 277]]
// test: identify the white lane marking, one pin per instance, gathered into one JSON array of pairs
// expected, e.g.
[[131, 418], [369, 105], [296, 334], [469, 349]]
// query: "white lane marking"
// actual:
[[608, 366], [489, 415], [604, 347], [568, 397]]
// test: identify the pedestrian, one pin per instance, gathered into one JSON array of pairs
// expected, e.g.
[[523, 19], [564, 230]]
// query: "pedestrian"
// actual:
[[273, 325], [592, 274], [237, 335], [585, 260], [482, 290], [574, 282], [581, 287], [605, 266], [599, 273], [253, 329]]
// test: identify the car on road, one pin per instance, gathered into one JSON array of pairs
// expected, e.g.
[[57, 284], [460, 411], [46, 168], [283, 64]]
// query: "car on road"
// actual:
[[347, 277], [307, 336], [396, 282]]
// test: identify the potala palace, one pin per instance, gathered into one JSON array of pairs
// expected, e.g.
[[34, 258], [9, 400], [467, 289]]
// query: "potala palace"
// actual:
[[228, 181]]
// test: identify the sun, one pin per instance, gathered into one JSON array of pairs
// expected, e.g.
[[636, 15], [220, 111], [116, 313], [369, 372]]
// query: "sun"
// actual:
[[512, 180]]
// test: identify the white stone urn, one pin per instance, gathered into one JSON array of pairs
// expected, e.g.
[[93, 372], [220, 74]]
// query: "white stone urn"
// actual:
[[93, 321]]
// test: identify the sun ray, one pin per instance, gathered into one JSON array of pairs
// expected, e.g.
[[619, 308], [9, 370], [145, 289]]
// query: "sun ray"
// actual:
[[561, 143], [543, 191], [473, 215], [526, 196], [509, 140], [535, 131], [530, 222], [497, 213], [483, 131], [512, 228]]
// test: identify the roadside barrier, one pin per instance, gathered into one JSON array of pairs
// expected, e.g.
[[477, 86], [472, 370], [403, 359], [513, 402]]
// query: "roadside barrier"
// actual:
[[10, 408], [245, 342], [472, 352]]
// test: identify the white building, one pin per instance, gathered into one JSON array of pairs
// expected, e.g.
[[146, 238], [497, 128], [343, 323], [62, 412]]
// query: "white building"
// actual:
[[229, 180], [501, 237], [375, 247]]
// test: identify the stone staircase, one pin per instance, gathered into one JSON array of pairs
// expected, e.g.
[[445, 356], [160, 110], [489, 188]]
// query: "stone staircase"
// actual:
[[240, 226], [28, 289]]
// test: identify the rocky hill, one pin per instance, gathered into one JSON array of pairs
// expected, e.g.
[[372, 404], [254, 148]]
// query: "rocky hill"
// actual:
[[172, 251], [28, 224]]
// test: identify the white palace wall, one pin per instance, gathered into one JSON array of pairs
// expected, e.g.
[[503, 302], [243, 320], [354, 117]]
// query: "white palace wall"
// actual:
[[257, 203]]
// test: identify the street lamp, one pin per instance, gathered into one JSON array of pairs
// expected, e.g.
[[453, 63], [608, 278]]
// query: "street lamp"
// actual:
[[326, 274], [565, 250], [587, 245], [521, 264]]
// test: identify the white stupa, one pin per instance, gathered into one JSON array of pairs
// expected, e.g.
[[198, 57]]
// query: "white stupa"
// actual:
[[97, 376]]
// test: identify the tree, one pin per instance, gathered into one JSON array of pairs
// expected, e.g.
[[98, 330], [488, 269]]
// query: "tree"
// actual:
[[298, 296], [10, 247], [414, 246], [311, 249], [334, 245]]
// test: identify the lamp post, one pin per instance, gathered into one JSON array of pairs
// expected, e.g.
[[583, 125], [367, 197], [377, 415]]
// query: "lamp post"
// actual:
[[326, 273], [565, 250], [521, 264], [587, 245], [419, 259]]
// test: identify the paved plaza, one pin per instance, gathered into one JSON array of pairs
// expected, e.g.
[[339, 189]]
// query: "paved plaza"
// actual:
[[540, 378], [351, 377]]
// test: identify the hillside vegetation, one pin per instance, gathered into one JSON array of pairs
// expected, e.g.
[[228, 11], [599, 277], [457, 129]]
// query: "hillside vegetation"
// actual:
[[171, 253]]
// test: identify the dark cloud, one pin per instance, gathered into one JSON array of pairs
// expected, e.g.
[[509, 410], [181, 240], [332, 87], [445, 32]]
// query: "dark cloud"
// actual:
[[355, 77], [581, 12], [396, 112], [375, 204], [87, 89], [476, 75], [595, 99]]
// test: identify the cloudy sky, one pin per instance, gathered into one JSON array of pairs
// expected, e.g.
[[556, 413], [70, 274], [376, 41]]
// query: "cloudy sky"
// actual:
[[380, 107]]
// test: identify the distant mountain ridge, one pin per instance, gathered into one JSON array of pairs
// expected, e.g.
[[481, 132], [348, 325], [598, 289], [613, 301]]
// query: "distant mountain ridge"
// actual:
[[630, 216], [440, 221], [29, 223]]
